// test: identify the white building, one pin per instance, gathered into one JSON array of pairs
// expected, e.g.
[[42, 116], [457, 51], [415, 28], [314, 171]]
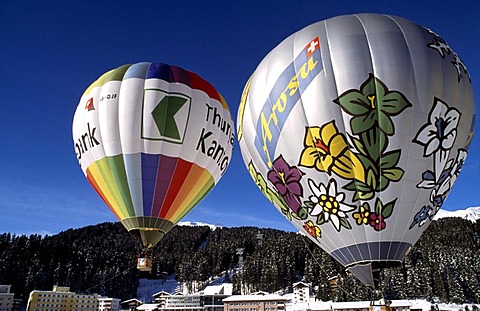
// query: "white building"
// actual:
[[268, 302], [60, 298], [301, 292], [209, 299], [6, 298], [108, 304]]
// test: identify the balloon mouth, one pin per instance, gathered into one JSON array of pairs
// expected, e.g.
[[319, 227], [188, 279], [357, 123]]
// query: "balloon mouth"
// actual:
[[150, 230], [369, 272]]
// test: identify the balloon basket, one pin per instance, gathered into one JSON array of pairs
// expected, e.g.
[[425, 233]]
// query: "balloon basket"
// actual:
[[144, 264], [380, 305]]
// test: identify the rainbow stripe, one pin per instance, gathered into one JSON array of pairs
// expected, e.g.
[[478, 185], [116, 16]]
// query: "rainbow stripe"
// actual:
[[171, 187], [148, 190]]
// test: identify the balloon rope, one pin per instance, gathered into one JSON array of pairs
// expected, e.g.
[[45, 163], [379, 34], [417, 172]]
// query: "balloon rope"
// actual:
[[325, 272], [113, 277]]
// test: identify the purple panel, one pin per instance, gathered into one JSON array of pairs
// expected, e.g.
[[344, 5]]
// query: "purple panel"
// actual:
[[149, 177], [180, 75], [166, 170], [168, 73]]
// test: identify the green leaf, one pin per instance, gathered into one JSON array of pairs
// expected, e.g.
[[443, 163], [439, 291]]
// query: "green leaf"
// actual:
[[369, 87], [351, 186], [309, 204], [344, 223], [393, 103], [378, 206], [357, 143], [353, 102], [383, 184], [362, 187], [363, 195], [363, 123], [386, 124], [302, 213], [320, 219], [393, 174], [371, 142], [371, 179], [388, 209], [390, 159]]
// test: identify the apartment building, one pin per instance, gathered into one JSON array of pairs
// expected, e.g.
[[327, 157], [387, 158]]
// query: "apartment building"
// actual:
[[61, 299], [108, 304], [268, 302], [6, 298]]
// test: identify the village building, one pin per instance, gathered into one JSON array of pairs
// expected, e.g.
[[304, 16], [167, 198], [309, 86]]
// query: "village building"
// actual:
[[6, 298], [108, 304], [268, 302], [60, 298]]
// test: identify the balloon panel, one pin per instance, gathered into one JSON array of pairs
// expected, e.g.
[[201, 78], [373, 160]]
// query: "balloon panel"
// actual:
[[356, 129], [153, 140]]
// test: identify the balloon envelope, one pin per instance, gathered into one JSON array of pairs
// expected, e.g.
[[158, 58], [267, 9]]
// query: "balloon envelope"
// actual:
[[356, 128], [153, 140]]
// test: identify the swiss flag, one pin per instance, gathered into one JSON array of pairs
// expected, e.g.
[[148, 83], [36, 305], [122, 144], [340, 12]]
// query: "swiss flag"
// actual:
[[89, 105], [312, 46]]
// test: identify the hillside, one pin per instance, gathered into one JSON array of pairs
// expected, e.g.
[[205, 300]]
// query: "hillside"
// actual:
[[445, 263]]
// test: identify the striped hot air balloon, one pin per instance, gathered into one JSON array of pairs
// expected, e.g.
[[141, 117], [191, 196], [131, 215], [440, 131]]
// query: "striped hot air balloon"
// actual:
[[153, 140]]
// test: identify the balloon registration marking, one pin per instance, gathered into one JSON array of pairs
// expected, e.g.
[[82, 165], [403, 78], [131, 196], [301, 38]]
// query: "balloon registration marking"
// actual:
[[284, 95]]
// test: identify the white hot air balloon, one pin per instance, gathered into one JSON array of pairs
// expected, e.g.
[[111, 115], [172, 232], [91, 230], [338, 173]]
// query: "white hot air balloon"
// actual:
[[356, 129]]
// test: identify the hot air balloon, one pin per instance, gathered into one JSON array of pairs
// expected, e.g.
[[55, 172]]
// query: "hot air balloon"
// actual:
[[152, 140], [356, 129]]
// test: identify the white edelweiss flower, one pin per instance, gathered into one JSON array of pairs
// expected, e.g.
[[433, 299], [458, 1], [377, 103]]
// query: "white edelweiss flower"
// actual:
[[328, 202]]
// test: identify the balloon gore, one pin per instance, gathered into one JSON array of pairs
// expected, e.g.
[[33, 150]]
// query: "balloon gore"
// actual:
[[153, 140], [356, 129]]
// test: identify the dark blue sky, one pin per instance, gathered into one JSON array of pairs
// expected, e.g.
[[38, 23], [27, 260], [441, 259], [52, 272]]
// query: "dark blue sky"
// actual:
[[50, 51]]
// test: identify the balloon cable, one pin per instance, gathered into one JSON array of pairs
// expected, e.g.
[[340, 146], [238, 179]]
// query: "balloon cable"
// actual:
[[325, 272], [113, 277]]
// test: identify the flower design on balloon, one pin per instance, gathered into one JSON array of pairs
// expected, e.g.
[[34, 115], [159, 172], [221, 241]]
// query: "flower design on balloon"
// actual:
[[375, 217], [313, 230], [439, 134], [360, 157], [438, 137], [286, 180], [328, 205], [327, 150]]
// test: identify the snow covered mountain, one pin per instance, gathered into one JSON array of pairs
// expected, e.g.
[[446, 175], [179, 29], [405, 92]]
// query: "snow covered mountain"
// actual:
[[471, 213], [197, 223]]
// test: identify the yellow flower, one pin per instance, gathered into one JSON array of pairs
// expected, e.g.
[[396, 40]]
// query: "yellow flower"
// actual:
[[362, 216], [327, 150]]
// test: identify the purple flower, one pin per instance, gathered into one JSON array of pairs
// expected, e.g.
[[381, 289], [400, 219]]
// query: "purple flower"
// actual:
[[286, 179]]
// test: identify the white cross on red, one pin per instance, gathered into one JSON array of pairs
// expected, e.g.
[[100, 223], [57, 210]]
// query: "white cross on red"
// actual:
[[312, 46]]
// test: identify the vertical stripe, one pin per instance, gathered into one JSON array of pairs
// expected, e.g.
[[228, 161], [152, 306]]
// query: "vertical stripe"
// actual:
[[195, 188], [133, 171], [179, 175], [203, 85], [117, 169], [102, 195], [100, 172], [164, 179], [149, 178]]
